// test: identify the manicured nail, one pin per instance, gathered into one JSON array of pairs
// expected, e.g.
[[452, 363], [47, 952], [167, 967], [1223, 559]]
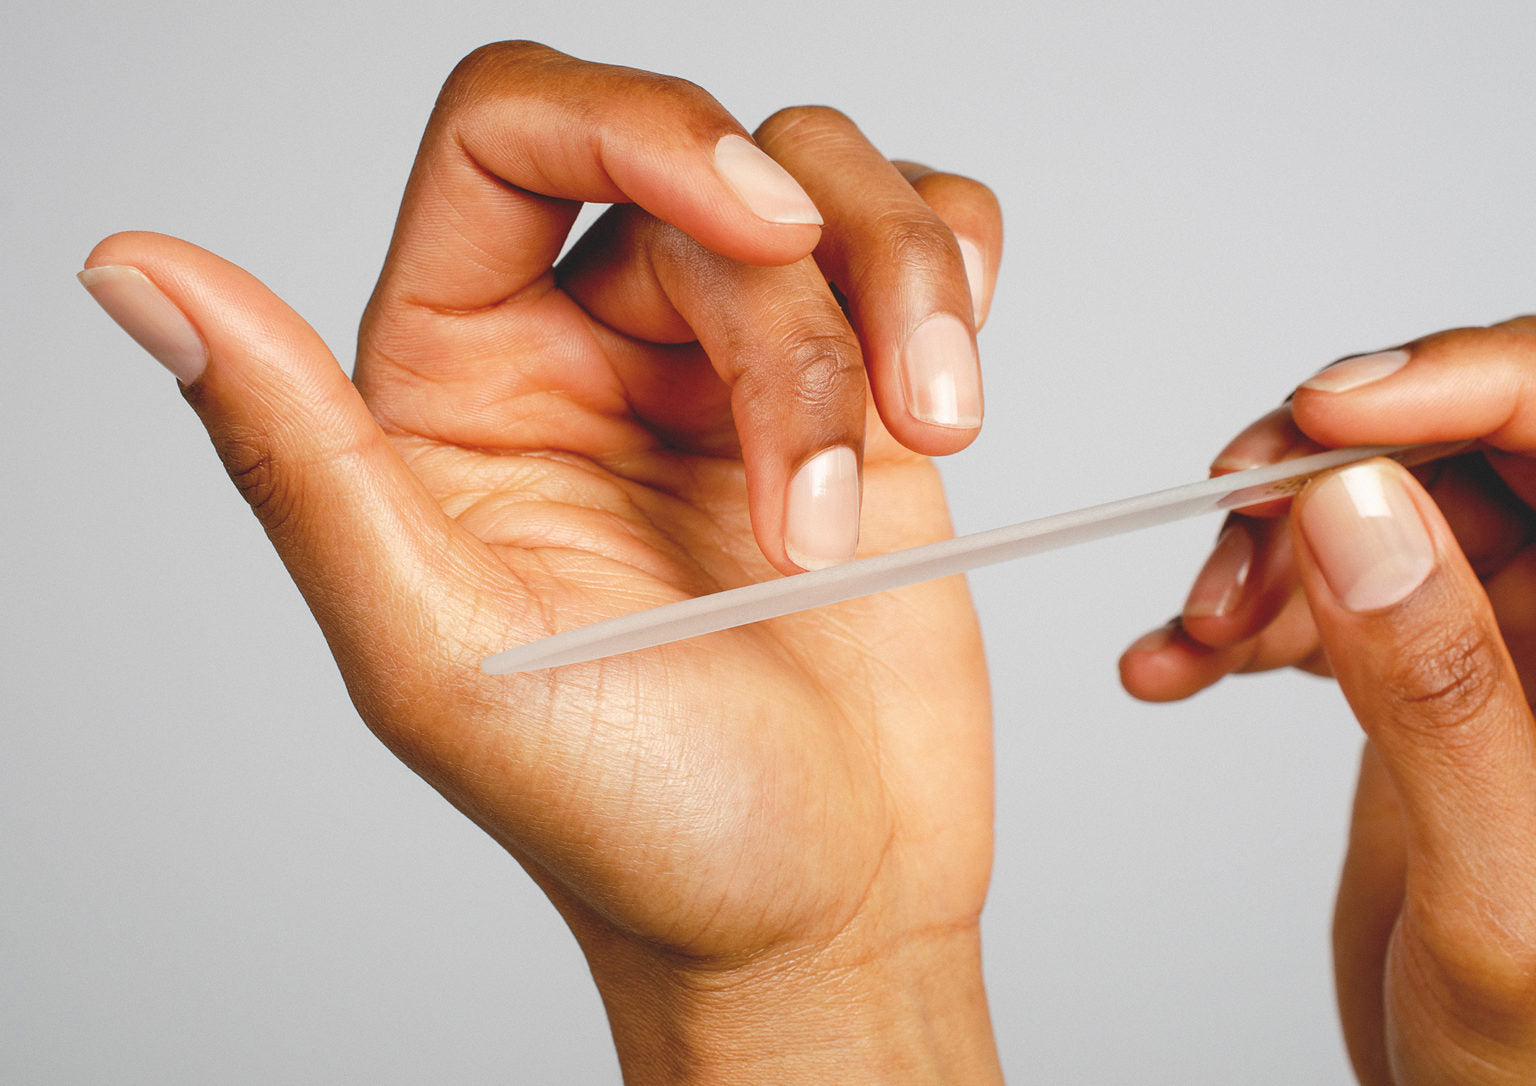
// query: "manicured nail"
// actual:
[[1362, 369], [1155, 640], [1219, 587], [1263, 442], [1367, 536], [1266, 440], [975, 272], [143, 311], [941, 375], [763, 185], [821, 510]]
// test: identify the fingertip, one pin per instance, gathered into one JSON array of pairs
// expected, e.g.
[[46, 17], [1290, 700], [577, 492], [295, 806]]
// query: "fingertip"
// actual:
[[977, 278], [1357, 371], [938, 381], [1164, 665], [821, 509], [151, 319], [765, 188], [1267, 440], [1364, 530]]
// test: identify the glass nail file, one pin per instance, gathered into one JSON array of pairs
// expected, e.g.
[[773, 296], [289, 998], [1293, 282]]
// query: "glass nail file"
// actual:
[[864, 576]]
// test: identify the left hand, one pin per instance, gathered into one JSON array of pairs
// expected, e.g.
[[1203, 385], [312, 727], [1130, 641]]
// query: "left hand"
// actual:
[[1245, 611], [1435, 924], [1423, 604], [744, 831]]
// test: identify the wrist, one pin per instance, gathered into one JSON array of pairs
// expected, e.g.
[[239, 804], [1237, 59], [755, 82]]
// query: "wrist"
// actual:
[[911, 1011]]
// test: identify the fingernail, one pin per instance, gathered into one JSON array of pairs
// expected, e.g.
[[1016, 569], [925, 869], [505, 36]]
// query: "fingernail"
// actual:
[[821, 510], [1253, 448], [763, 185], [1367, 537], [975, 271], [1219, 587], [1362, 369], [1266, 440], [1154, 640], [940, 374], [154, 321]]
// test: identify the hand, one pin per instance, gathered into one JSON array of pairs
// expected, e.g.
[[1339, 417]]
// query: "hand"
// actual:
[[1421, 603], [744, 830], [1244, 612]]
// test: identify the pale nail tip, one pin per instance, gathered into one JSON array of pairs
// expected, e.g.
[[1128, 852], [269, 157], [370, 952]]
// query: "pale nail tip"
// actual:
[[948, 421], [91, 276], [975, 270], [1357, 371], [1205, 610], [1152, 641], [149, 317], [812, 562], [768, 190], [1225, 465], [792, 218]]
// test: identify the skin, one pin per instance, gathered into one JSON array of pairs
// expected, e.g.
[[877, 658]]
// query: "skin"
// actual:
[[773, 844], [1435, 923]]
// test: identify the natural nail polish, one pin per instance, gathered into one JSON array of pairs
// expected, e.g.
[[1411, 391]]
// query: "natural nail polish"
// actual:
[[1155, 640], [762, 184], [975, 272], [821, 509], [1367, 537], [1267, 440], [1362, 369], [154, 321], [941, 375], [1219, 587]]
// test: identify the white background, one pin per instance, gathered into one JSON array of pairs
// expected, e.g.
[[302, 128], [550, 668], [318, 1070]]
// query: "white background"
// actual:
[[210, 872]]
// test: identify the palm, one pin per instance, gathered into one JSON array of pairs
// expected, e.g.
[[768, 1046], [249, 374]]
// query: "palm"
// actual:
[[696, 782]]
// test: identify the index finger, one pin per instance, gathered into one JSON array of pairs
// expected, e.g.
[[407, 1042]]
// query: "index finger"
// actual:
[[1456, 385], [522, 134]]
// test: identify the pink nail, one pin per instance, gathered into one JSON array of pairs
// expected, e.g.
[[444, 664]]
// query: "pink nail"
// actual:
[[1351, 373], [1367, 536], [1266, 440], [1219, 587], [941, 375], [762, 184], [154, 321], [1154, 640], [975, 276], [821, 510]]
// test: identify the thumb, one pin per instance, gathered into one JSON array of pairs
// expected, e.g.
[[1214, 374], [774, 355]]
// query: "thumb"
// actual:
[[1417, 652], [349, 520]]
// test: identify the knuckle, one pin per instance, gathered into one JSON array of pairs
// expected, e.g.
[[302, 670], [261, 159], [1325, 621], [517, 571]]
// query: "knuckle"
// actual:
[[1486, 957], [823, 369], [1455, 345], [954, 188], [1524, 324], [674, 95], [816, 370], [488, 66], [918, 242], [800, 124], [253, 467], [1447, 677]]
